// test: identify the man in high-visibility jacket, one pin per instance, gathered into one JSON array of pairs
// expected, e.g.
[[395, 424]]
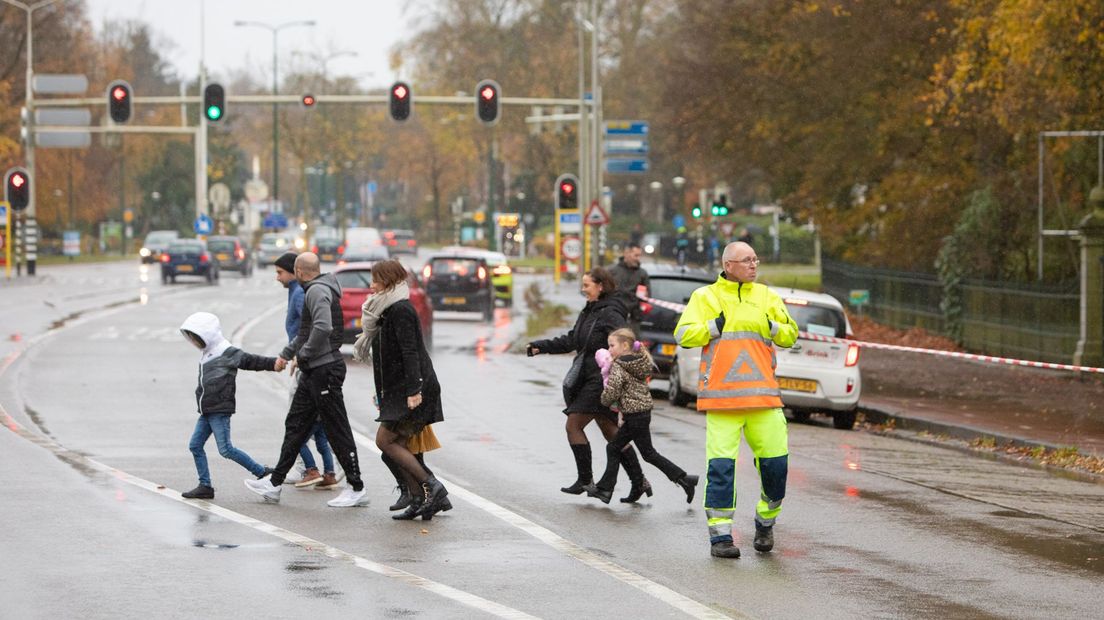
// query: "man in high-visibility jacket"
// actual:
[[736, 321]]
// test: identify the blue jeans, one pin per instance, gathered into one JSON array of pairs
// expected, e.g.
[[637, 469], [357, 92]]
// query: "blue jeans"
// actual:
[[323, 447], [219, 424]]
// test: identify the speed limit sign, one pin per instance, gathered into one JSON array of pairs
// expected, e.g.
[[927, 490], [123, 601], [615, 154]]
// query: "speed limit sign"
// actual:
[[572, 248]]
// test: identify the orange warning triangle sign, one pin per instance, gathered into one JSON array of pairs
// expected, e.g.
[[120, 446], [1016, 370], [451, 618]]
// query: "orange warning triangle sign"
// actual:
[[596, 215]]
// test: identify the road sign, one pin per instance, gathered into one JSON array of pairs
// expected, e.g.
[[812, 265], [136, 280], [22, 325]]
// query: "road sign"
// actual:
[[626, 147], [571, 222], [859, 297], [727, 228], [203, 225], [256, 190], [70, 243], [626, 128], [572, 248], [75, 117], [678, 221], [275, 220], [596, 215], [128, 215], [219, 195], [626, 166], [60, 84]]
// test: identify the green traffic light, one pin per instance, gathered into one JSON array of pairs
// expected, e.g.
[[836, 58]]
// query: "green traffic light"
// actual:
[[214, 112], [696, 212]]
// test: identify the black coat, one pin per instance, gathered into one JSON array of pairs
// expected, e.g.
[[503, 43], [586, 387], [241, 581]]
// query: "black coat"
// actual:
[[604, 315], [402, 368]]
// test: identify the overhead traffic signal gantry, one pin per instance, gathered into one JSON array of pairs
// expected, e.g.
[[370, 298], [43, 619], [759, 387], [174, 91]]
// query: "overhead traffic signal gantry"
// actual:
[[401, 100], [17, 188], [487, 101], [567, 192], [214, 102], [118, 101]]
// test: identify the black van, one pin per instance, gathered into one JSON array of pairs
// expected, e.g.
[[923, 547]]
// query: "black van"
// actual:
[[460, 282]]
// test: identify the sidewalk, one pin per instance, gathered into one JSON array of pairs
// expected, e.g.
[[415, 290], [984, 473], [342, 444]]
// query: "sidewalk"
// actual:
[[975, 400]]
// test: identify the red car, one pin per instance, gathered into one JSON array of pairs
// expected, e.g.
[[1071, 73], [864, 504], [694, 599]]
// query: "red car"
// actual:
[[356, 285]]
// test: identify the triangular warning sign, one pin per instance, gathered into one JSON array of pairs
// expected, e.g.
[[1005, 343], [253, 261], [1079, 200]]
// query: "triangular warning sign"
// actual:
[[596, 215], [737, 374]]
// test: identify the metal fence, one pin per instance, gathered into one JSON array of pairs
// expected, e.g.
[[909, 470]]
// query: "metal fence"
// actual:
[[1009, 319]]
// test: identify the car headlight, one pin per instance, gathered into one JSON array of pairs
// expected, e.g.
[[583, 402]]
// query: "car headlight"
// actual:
[[300, 243], [144, 252]]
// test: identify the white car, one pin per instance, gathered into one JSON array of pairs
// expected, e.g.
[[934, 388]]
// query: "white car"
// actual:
[[815, 376]]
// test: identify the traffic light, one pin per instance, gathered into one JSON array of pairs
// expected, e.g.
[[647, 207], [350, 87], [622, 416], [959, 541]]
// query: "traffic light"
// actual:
[[486, 101], [401, 99], [214, 102], [567, 192], [720, 206], [17, 188], [118, 101], [696, 211], [308, 101]]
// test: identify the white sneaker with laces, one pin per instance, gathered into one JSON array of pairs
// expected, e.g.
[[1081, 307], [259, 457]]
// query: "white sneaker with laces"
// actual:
[[350, 498], [264, 488]]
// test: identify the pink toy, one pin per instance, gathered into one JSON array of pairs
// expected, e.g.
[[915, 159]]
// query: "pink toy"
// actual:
[[605, 361]]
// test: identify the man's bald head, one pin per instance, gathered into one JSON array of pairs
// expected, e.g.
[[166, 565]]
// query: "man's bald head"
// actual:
[[739, 262], [737, 250], [307, 266]]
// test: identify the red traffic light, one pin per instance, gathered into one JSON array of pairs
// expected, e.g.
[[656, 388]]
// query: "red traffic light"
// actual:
[[118, 93], [118, 101], [400, 91], [308, 101], [487, 93], [401, 100], [566, 195], [17, 188], [567, 188], [487, 101], [18, 180]]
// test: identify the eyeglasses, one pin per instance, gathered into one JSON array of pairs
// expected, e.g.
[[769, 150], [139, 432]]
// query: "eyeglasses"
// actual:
[[747, 262]]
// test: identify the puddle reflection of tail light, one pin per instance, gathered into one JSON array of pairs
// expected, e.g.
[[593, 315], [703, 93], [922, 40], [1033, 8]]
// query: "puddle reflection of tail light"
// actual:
[[852, 356], [482, 273], [427, 271]]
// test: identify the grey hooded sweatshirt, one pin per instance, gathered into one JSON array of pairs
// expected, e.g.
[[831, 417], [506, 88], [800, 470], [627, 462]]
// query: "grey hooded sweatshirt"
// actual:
[[321, 327], [219, 364]]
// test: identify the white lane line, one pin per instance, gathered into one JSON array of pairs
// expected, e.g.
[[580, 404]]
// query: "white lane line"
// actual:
[[304, 542]]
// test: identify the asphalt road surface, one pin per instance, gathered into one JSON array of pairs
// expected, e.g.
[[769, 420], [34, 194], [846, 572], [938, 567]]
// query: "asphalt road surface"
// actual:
[[97, 394]]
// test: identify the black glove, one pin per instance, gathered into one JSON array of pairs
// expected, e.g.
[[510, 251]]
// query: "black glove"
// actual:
[[720, 321], [529, 350]]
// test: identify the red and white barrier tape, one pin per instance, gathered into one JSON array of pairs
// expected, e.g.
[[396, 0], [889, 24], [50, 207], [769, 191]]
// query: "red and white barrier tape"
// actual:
[[892, 347]]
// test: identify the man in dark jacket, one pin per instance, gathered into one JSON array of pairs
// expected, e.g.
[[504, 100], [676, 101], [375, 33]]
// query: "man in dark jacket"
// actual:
[[630, 276], [317, 351]]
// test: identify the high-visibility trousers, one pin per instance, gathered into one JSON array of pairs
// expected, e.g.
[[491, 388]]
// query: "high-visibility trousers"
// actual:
[[766, 434]]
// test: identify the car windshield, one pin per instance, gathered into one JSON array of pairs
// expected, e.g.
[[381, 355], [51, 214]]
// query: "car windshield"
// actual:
[[160, 238], [357, 254], [221, 245], [454, 266], [354, 278], [186, 247], [818, 320], [275, 241], [495, 259], [675, 290]]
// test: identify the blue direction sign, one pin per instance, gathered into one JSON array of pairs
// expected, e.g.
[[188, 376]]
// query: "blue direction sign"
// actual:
[[275, 220], [678, 221], [623, 146], [626, 128], [626, 166], [203, 225]]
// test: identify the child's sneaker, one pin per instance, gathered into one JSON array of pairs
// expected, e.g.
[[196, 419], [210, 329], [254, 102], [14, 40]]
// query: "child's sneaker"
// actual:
[[310, 478], [265, 489], [329, 481]]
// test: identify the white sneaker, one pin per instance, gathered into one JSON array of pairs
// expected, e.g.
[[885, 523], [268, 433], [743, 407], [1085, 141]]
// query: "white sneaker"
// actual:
[[265, 489], [349, 498]]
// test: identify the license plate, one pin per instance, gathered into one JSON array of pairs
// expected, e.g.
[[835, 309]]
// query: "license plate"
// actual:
[[183, 267], [327, 257], [454, 301], [797, 385], [223, 256], [667, 349]]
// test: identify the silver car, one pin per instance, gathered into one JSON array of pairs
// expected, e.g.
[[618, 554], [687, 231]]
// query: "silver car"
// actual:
[[815, 376]]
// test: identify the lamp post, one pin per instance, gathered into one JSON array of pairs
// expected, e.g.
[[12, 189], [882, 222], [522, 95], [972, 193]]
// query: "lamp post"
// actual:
[[275, 121]]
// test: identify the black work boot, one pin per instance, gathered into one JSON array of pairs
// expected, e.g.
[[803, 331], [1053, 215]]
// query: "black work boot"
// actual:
[[582, 465], [764, 538], [724, 549], [200, 492], [640, 485], [688, 483]]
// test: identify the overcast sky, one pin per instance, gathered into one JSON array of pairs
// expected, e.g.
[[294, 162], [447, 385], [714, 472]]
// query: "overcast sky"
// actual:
[[367, 27]]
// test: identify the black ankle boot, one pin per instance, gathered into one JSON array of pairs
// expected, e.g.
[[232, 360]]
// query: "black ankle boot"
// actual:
[[400, 482], [435, 493], [582, 465], [411, 511], [638, 489], [688, 483], [640, 485], [405, 498], [593, 490]]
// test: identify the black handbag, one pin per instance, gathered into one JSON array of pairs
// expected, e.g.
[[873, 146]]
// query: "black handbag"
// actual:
[[573, 380]]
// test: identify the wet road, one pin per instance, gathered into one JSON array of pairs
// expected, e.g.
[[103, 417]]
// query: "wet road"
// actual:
[[100, 409]]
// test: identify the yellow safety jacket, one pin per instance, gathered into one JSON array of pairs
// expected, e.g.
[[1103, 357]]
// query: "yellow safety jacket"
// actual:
[[737, 363]]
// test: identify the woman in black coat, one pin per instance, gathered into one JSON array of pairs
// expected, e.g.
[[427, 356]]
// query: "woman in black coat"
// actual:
[[601, 315], [407, 391]]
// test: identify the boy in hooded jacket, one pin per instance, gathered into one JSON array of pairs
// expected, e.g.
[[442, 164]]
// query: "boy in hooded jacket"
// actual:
[[630, 369], [219, 363]]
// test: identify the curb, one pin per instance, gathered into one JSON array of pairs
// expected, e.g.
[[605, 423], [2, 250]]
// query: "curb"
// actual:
[[964, 433]]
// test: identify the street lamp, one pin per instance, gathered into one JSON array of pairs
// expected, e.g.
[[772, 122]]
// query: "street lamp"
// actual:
[[275, 124]]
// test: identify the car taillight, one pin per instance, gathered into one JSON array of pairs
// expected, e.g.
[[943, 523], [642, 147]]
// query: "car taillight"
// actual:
[[502, 270], [410, 242], [645, 307], [392, 242], [850, 385], [165, 258], [852, 355], [427, 271], [341, 249], [203, 258], [240, 253], [314, 248], [482, 273]]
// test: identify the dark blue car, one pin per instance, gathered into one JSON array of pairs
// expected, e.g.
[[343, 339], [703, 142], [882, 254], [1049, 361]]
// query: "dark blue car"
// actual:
[[188, 257]]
